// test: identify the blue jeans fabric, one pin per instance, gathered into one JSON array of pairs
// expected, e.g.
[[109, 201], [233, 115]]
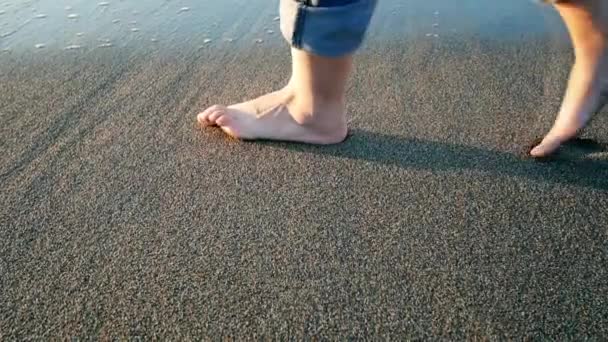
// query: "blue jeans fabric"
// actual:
[[330, 28]]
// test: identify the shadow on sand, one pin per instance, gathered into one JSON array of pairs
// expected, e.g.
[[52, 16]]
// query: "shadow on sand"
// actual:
[[567, 168]]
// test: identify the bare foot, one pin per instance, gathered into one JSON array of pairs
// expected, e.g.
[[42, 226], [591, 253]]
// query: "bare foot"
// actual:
[[586, 96], [280, 115]]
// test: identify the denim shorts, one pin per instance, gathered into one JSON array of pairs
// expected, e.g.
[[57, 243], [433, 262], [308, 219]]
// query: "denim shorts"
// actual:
[[330, 28]]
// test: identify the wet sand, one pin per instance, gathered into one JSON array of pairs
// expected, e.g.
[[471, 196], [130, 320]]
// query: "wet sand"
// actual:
[[119, 217]]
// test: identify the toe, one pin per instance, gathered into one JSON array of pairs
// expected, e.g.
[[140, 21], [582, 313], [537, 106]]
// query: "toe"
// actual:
[[547, 147], [213, 117], [204, 117]]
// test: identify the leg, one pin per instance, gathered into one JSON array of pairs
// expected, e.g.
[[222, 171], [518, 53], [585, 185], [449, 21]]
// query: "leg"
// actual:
[[587, 22], [311, 107]]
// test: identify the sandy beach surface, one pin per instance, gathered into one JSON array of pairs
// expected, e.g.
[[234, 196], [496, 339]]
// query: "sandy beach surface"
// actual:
[[120, 218]]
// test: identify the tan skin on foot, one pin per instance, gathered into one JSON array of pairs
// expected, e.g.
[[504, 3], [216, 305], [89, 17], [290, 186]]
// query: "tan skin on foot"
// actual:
[[274, 117], [310, 109]]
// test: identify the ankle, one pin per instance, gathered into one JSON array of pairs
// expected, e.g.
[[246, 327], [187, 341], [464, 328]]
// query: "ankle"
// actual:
[[308, 106], [321, 114], [327, 93], [317, 112]]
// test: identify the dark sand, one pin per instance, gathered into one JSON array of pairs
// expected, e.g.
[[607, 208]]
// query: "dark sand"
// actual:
[[120, 218]]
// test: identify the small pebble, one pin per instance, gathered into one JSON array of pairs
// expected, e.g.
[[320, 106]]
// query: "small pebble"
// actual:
[[40, 46], [153, 40], [103, 4], [73, 16], [207, 41], [79, 34], [259, 41], [105, 45], [276, 19], [40, 16], [270, 31], [73, 47], [135, 29], [436, 35], [115, 21], [429, 34], [183, 9]]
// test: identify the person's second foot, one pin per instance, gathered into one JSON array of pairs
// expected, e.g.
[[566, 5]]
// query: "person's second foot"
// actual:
[[280, 115], [587, 23], [587, 93]]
